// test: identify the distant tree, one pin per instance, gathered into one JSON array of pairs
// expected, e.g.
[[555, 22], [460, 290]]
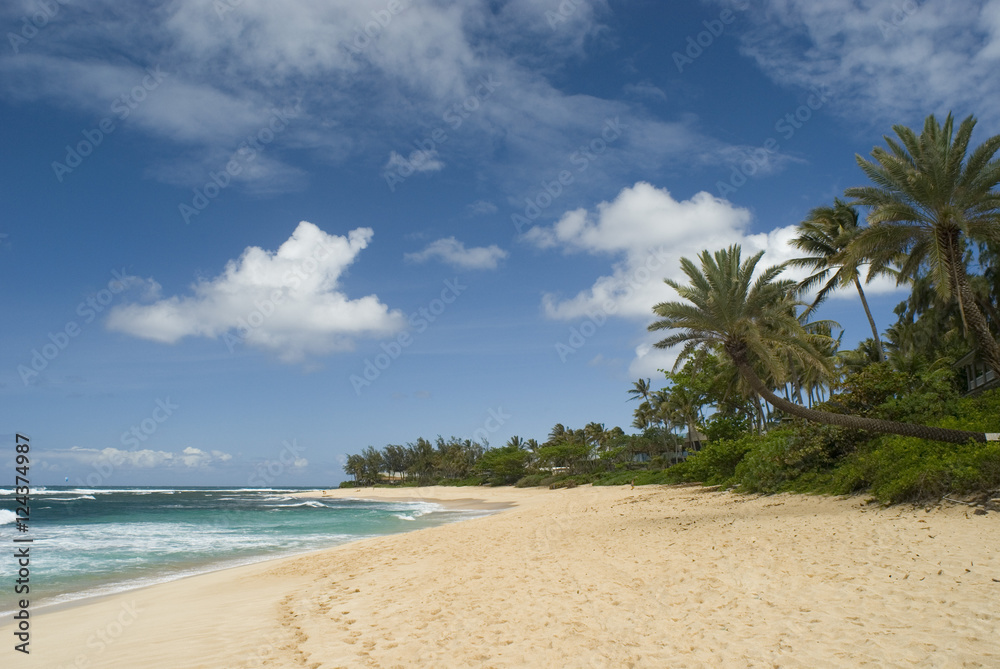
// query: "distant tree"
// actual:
[[640, 390], [374, 463], [355, 468], [394, 457], [557, 433], [504, 465]]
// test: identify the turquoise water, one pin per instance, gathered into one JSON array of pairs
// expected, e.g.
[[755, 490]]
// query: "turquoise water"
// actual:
[[102, 540]]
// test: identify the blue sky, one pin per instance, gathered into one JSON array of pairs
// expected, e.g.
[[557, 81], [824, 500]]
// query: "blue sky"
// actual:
[[243, 239]]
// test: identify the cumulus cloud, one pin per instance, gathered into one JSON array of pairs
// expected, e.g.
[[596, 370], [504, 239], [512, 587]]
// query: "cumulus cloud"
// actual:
[[453, 252], [288, 301], [644, 232], [189, 458]]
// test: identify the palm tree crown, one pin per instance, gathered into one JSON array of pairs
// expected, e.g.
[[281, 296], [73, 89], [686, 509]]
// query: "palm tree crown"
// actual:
[[825, 236], [929, 199], [754, 322], [752, 319]]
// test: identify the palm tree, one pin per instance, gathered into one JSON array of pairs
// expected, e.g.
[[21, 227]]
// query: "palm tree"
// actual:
[[927, 199], [755, 323], [594, 434], [681, 407], [515, 442], [640, 388], [824, 235], [557, 433], [644, 416]]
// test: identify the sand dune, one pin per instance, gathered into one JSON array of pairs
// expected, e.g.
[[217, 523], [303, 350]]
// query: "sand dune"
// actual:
[[588, 577]]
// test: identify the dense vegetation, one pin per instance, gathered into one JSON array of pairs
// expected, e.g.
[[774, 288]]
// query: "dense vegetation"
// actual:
[[778, 403]]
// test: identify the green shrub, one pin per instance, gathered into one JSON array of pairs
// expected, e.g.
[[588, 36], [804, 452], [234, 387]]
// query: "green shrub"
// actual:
[[715, 463], [530, 481], [795, 457], [719, 427], [903, 469], [467, 481]]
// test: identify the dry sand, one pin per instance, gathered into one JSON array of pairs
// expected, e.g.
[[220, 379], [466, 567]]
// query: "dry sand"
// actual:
[[588, 577]]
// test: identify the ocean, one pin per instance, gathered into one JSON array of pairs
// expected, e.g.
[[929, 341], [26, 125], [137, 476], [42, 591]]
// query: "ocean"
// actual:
[[96, 541]]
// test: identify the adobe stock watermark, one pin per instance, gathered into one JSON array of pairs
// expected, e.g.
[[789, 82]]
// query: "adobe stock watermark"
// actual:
[[88, 310], [267, 472], [245, 154], [563, 13], [901, 13], [495, 419], [111, 459], [454, 116], [585, 156], [697, 44], [121, 108], [106, 635], [760, 157], [365, 35], [47, 10], [597, 318], [419, 321], [265, 308]]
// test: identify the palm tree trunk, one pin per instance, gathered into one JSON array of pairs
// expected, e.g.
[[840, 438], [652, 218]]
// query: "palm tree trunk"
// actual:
[[852, 422], [871, 321], [988, 348]]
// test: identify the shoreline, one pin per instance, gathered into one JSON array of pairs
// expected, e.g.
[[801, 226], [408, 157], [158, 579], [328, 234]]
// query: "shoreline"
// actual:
[[211, 566], [649, 577], [434, 494]]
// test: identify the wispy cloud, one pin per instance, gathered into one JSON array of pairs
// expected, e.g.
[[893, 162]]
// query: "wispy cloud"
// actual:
[[453, 252], [896, 61], [482, 208], [188, 458], [418, 161], [227, 71]]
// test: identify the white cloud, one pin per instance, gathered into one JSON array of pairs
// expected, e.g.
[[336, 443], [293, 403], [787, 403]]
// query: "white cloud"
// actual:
[[288, 301], [189, 458], [362, 95], [454, 253], [419, 161], [482, 207], [645, 90], [896, 60], [645, 232]]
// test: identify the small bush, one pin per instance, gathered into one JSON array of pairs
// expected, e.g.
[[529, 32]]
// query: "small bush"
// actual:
[[530, 481], [715, 463], [781, 459], [467, 481]]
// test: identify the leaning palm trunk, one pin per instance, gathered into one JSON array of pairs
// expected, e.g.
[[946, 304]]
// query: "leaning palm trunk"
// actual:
[[852, 422]]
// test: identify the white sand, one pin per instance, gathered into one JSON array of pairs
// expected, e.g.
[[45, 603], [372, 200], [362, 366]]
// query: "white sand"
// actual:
[[588, 577]]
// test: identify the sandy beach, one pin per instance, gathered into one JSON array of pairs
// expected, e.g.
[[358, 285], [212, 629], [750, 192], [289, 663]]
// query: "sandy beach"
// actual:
[[586, 577]]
